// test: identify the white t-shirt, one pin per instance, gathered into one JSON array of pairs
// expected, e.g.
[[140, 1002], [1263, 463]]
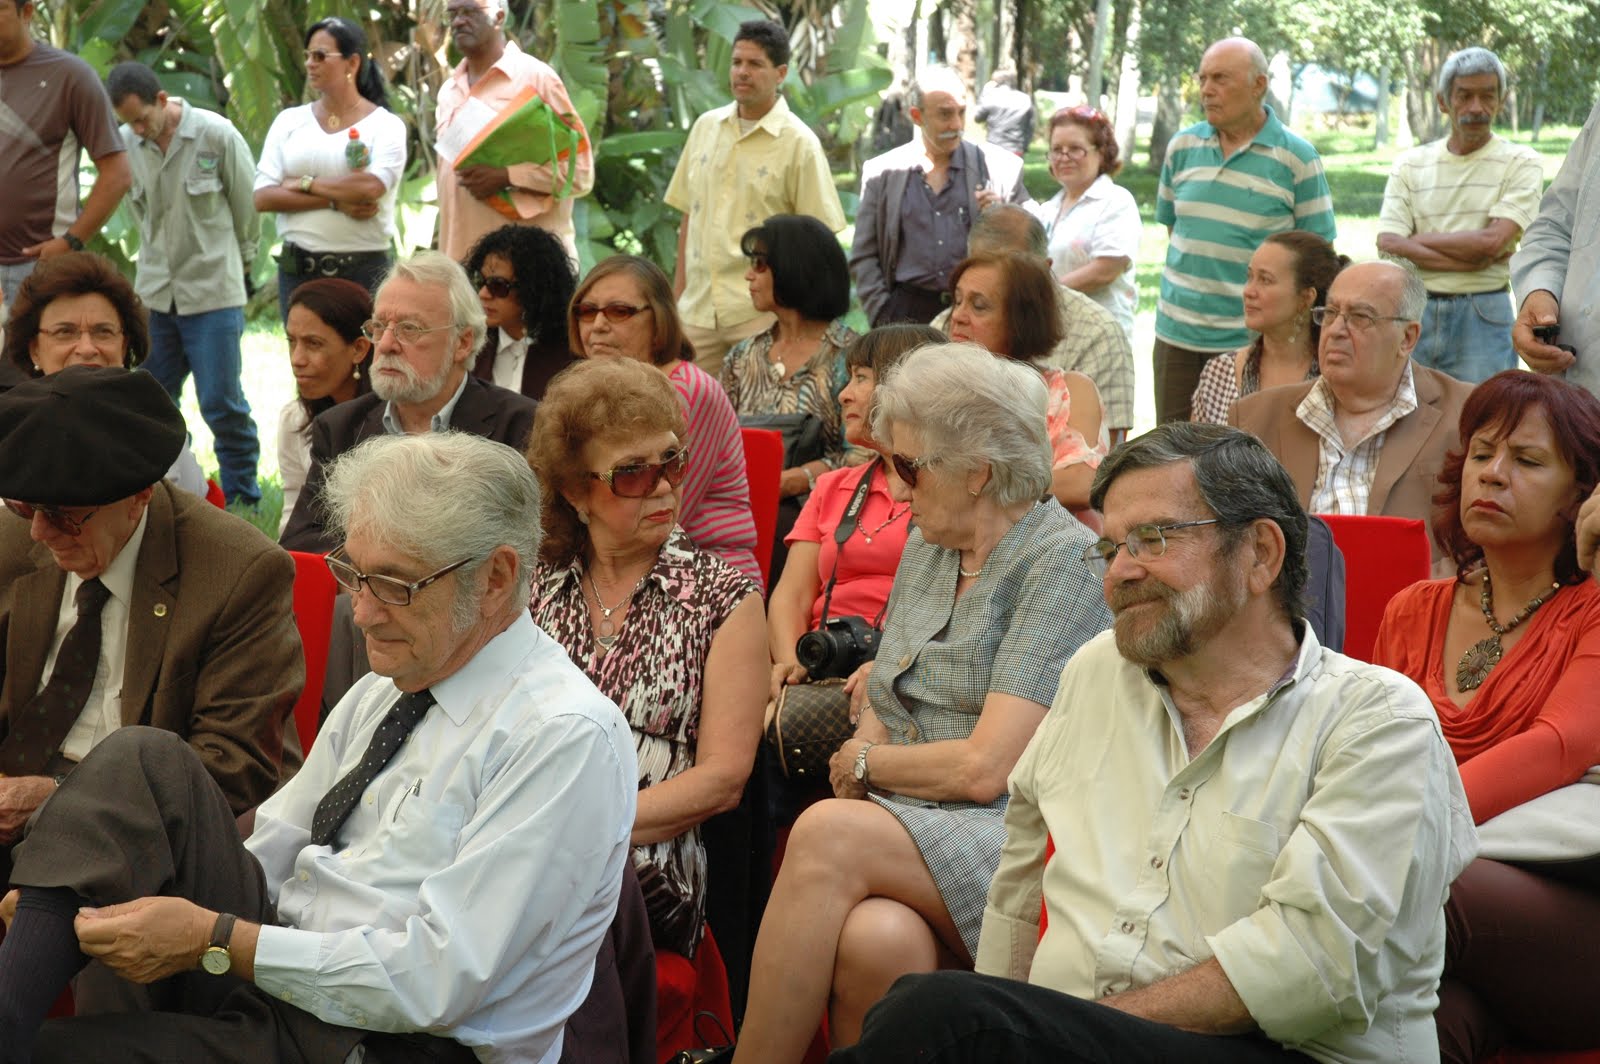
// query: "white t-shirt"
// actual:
[[297, 145]]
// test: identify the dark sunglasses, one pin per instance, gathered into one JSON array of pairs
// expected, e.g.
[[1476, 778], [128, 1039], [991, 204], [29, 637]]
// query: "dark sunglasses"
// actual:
[[908, 468], [637, 480], [758, 262], [499, 287], [616, 313], [322, 55], [59, 520]]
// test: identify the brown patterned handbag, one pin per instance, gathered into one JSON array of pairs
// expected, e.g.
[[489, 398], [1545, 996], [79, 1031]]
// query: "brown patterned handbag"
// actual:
[[810, 723]]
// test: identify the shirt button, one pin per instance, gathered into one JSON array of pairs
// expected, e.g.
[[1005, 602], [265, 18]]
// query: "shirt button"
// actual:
[[369, 799], [1127, 927], [1156, 862], [288, 995], [305, 877], [905, 661], [1184, 794]]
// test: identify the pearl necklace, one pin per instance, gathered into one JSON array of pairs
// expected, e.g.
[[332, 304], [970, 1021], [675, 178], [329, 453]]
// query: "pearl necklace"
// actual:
[[608, 634]]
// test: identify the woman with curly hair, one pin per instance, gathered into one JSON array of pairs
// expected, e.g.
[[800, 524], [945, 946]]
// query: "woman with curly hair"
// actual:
[[525, 281]]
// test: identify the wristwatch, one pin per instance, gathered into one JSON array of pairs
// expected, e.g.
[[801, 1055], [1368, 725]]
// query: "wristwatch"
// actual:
[[72, 241], [305, 182], [861, 762], [216, 959]]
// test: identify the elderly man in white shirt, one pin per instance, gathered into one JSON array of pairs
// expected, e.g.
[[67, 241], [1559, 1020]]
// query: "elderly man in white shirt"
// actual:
[[1254, 836], [436, 881]]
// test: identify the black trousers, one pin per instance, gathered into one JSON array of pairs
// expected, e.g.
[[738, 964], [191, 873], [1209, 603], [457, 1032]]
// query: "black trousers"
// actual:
[[141, 816], [962, 1018], [910, 303]]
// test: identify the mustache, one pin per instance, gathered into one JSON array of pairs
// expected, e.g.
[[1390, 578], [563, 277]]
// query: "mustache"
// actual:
[[1125, 595], [954, 134], [1475, 120]]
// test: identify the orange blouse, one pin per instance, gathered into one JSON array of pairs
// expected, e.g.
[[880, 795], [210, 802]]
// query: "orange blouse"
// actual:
[[1534, 725]]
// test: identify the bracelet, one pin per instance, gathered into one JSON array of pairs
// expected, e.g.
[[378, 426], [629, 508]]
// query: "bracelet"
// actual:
[[306, 181], [811, 478]]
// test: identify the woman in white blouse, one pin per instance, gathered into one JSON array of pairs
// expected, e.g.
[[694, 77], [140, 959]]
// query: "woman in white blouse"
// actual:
[[1093, 223], [329, 168]]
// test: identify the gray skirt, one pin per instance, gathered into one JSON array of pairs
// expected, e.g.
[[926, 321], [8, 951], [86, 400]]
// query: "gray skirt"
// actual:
[[962, 849]]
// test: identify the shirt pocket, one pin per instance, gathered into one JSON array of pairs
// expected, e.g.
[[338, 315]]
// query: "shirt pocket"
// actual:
[[202, 184], [419, 836], [1242, 854]]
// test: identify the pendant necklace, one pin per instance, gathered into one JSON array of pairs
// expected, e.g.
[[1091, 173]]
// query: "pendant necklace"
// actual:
[[1482, 656], [332, 119], [894, 515], [608, 634]]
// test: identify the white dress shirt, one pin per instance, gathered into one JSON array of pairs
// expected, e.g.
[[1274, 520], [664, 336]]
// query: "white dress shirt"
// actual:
[[509, 355], [474, 881], [102, 713], [1309, 848]]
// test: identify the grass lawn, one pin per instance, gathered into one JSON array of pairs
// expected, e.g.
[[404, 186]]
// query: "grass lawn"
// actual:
[[1356, 175]]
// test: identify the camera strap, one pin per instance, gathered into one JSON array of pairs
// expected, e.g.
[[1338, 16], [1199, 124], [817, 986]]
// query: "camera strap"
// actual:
[[847, 526]]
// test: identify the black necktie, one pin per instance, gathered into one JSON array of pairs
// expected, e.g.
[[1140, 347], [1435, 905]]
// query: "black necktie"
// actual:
[[392, 731], [36, 733]]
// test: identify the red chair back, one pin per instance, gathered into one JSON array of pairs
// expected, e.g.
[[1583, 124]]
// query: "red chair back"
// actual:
[[1381, 556], [214, 494], [763, 462], [314, 591], [684, 990]]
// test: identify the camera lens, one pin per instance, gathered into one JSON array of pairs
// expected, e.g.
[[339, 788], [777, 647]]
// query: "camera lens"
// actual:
[[816, 651]]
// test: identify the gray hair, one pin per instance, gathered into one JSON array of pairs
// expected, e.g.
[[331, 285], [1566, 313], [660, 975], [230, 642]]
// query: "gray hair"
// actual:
[[972, 409], [440, 497], [434, 269], [1413, 293], [1466, 63], [1008, 227], [1240, 481], [935, 79]]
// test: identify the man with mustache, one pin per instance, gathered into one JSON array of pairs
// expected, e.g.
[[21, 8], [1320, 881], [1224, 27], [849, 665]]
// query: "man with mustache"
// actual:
[[918, 203], [1456, 209], [426, 329], [1254, 835]]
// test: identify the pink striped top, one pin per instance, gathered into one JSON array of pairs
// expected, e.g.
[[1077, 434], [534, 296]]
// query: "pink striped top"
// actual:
[[715, 507]]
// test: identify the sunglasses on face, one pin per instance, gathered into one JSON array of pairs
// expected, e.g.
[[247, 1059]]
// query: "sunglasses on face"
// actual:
[[60, 520], [638, 479], [498, 287], [907, 469], [758, 262], [616, 313], [321, 55]]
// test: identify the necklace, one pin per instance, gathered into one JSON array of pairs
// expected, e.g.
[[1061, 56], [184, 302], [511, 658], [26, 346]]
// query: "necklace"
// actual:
[[608, 635], [972, 575], [1482, 656], [894, 515], [332, 119]]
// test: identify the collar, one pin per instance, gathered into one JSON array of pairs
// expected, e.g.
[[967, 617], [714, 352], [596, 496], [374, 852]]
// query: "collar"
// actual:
[[773, 121], [118, 577], [1316, 410], [674, 567], [511, 53], [507, 346], [1272, 133], [440, 421], [1306, 659], [503, 656]]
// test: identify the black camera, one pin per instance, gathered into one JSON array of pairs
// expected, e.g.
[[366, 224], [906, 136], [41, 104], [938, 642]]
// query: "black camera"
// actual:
[[1548, 334], [838, 648]]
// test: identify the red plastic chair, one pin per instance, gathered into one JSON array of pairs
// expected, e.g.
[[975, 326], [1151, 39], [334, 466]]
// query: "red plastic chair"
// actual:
[[685, 989], [314, 592], [214, 494], [763, 462], [1382, 555]]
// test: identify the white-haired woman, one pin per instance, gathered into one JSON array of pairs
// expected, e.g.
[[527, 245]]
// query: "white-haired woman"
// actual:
[[991, 598]]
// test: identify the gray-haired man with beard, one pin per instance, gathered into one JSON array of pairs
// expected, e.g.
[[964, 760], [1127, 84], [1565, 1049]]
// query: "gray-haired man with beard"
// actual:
[[1256, 834], [426, 329]]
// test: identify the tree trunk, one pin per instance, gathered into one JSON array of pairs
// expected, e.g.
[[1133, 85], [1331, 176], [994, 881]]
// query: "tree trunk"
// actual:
[[963, 54], [1380, 125], [1094, 89], [1126, 118], [1169, 116]]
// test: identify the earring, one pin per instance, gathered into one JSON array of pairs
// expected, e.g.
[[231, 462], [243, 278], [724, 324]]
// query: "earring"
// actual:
[[973, 494], [355, 372], [583, 516]]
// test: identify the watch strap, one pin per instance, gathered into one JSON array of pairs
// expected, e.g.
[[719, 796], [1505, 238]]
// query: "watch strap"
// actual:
[[72, 241], [222, 931]]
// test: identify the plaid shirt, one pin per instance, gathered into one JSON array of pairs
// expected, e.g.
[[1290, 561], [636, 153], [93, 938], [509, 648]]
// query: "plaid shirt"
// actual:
[[1344, 474]]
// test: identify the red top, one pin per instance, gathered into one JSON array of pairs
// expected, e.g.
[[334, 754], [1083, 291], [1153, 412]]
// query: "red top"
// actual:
[[1534, 725], [715, 494], [866, 570]]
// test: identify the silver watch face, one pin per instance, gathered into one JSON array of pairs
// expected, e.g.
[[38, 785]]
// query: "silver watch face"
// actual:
[[861, 765], [216, 960]]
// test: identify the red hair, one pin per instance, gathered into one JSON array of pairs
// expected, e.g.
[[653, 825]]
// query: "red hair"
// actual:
[[1098, 126], [1502, 402]]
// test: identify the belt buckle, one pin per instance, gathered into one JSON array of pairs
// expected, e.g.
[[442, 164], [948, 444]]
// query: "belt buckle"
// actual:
[[327, 265]]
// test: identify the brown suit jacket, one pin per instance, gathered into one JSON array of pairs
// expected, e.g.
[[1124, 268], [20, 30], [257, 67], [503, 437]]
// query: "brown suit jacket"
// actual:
[[1413, 450], [213, 651]]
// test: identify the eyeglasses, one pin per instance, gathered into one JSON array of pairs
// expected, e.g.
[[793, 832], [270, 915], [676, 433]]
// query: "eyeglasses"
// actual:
[[406, 332], [1359, 320], [499, 287], [1142, 540], [1076, 152], [322, 55], [386, 589], [758, 262], [59, 520], [908, 468], [639, 479], [616, 313], [101, 335]]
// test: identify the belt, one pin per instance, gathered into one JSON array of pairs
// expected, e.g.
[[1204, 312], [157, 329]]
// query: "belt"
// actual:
[[1469, 295], [296, 261]]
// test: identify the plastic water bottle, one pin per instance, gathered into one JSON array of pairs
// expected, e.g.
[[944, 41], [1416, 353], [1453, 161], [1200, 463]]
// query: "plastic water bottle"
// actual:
[[356, 153]]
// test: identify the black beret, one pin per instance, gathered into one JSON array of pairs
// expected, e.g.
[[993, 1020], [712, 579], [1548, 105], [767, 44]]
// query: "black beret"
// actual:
[[86, 436]]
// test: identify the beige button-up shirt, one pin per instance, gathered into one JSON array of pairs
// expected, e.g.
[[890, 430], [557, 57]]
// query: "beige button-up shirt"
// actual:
[[1309, 848]]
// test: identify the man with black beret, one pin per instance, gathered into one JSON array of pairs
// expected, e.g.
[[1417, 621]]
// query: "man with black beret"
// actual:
[[124, 600]]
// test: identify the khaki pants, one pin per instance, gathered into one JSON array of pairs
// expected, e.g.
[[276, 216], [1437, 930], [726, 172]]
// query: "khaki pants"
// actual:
[[712, 345]]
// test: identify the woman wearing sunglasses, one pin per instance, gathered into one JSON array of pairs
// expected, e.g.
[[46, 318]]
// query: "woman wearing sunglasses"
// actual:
[[671, 633], [991, 598], [525, 280], [77, 309], [329, 168], [1093, 222], [625, 309]]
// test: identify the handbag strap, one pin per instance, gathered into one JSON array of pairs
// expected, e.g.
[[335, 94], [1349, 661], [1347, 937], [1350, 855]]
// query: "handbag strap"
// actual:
[[847, 526]]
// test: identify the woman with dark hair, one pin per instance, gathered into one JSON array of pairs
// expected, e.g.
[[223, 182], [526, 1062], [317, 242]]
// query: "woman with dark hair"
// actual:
[[1092, 223], [329, 168], [327, 352], [77, 309], [625, 309], [1288, 275], [1509, 652], [1005, 302], [798, 273], [525, 280]]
